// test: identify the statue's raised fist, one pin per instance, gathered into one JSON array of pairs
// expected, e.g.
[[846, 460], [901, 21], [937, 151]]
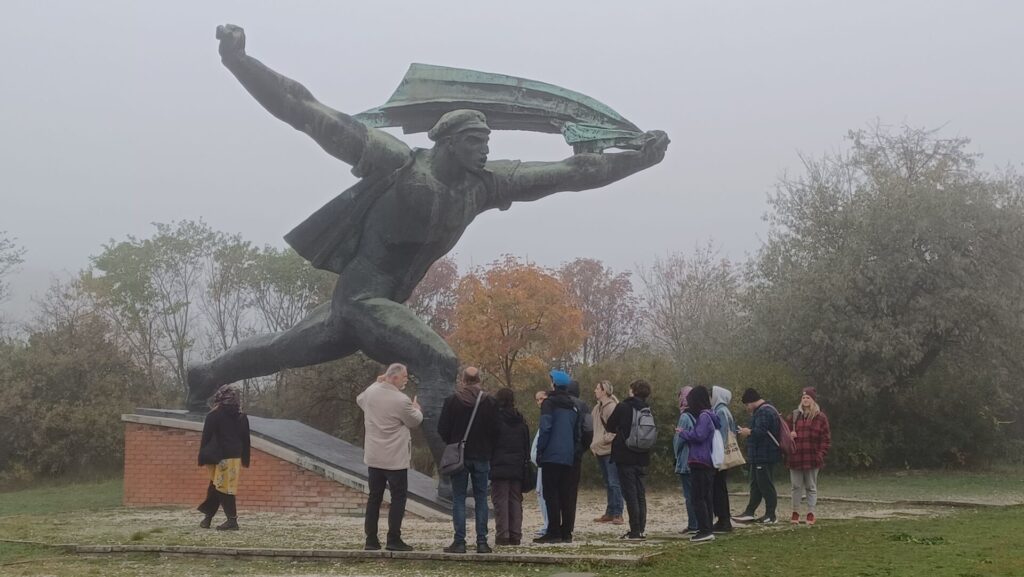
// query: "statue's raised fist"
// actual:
[[232, 40], [656, 145]]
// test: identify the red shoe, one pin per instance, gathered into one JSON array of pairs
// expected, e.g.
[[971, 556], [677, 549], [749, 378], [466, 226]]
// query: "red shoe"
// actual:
[[795, 519], [810, 518]]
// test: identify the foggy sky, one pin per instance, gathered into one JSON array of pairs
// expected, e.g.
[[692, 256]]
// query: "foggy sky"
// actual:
[[114, 115]]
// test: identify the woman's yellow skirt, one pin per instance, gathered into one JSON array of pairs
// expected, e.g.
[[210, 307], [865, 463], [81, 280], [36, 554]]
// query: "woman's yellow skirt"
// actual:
[[224, 475]]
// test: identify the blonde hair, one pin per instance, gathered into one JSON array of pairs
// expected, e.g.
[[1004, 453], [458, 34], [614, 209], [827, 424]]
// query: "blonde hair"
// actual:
[[811, 412]]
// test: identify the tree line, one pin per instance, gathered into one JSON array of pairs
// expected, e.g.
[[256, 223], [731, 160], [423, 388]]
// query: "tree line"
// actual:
[[890, 279]]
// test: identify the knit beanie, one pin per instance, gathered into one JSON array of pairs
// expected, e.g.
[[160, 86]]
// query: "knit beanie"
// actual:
[[811, 392], [750, 396], [560, 379]]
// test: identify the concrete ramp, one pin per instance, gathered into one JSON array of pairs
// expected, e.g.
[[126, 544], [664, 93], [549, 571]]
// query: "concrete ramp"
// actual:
[[313, 450]]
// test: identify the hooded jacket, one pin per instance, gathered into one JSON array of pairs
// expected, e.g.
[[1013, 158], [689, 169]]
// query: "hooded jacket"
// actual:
[[511, 447], [587, 425], [720, 399], [561, 430], [681, 447], [700, 438]]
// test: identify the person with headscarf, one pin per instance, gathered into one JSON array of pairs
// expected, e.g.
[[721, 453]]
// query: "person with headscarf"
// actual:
[[682, 450], [702, 469], [812, 437], [453, 425], [720, 399], [224, 450]]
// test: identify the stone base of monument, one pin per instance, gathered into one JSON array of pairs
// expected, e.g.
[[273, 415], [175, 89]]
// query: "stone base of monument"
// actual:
[[293, 469]]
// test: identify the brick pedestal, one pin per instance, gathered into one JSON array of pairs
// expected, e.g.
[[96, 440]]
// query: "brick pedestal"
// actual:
[[160, 469]]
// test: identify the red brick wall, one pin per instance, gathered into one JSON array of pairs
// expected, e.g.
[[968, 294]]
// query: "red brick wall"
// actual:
[[160, 469]]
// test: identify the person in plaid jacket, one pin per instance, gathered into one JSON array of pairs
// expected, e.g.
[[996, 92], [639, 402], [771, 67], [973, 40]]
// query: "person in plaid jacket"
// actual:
[[812, 436]]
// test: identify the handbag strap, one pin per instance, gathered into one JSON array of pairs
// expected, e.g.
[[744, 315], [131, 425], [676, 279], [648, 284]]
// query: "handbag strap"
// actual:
[[472, 416]]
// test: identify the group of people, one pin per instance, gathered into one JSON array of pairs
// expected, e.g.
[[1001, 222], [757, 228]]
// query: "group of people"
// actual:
[[498, 459]]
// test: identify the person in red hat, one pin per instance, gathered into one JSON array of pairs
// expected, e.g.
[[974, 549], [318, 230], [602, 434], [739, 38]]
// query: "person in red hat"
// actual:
[[813, 437]]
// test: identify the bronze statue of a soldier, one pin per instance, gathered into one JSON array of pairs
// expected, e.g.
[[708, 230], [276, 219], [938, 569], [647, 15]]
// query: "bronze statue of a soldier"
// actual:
[[382, 234]]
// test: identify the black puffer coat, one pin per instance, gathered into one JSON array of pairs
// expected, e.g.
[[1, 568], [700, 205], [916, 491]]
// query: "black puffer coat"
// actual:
[[512, 446]]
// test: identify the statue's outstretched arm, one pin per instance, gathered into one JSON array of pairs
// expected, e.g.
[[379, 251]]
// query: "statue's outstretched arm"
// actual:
[[534, 180], [339, 134]]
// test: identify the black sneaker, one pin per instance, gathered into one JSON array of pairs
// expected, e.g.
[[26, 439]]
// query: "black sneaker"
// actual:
[[397, 545], [371, 545], [548, 539], [567, 539], [766, 520], [483, 548], [702, 537], [230, 525], [633, 537], [455, 548], [744, 518], [722, 529]]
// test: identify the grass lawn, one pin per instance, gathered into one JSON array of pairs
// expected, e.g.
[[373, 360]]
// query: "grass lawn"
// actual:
[[62, 498], [854, 540]]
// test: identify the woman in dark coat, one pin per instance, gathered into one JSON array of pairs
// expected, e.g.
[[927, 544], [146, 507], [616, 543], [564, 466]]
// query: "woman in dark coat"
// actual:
[[224, 450], [511, 453]]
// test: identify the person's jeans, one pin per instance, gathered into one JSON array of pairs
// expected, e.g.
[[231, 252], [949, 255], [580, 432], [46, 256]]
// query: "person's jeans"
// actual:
[[476, 471], [541, 503], [720, 500], [703, 478], [398, 482], [762, 486], [610, 474], [631, 477], [686, 481], [804, 480]]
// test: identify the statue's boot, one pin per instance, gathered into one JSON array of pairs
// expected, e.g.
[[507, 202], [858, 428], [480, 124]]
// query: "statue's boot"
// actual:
[[200, 389]]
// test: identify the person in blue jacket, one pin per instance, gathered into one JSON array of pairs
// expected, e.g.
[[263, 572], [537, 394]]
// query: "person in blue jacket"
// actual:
[[559, 439], [682, 450]]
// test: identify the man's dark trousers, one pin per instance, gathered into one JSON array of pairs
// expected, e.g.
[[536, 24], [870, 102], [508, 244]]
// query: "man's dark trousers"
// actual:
[[398, 483], [559, 493]]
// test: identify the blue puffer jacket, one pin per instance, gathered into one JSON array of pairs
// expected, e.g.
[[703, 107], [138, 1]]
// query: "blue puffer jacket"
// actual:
[[680, 446], [561, 429], [700, 438]]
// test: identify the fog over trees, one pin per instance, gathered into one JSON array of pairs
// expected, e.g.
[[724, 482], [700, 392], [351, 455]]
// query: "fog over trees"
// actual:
[[890, 279]]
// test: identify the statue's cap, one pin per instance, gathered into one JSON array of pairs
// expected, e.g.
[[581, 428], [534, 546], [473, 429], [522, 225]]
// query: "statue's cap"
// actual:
[[458, 121]]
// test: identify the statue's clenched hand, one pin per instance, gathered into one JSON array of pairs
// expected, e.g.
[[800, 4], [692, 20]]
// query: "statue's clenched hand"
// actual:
[[232, 41], [655, 146]]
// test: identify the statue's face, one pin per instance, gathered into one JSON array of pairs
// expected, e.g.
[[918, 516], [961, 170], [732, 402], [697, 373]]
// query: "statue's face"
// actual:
[[470, 149]]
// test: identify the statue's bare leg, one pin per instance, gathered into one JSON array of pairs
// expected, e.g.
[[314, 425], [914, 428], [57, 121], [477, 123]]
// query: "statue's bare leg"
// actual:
[[318, 338], [389, 332]]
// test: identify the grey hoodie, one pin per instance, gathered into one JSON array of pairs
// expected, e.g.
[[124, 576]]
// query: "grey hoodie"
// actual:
[[720, 398]]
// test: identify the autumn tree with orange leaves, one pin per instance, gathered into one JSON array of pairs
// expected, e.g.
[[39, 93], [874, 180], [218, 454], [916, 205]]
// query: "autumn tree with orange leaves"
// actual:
[[515, 318]]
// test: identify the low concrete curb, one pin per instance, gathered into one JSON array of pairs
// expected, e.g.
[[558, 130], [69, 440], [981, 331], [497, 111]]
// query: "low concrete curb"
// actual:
[[316, 554]]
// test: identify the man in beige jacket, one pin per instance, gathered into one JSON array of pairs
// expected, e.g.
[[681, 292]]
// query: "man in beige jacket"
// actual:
[[602, 449], [388, 416]]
